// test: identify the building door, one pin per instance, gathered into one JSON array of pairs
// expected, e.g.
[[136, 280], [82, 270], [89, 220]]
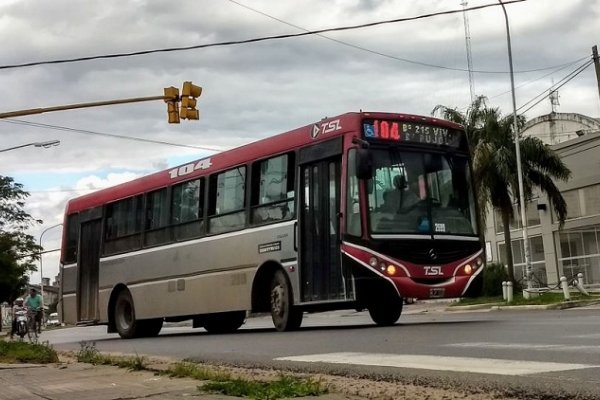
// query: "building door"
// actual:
[[89, 260]]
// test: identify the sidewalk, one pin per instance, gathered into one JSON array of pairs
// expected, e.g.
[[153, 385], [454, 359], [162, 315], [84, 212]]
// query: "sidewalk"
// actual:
[[79, 381], [86, 382]]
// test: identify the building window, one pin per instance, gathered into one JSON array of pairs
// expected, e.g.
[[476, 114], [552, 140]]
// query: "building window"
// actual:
[[583, 202], [580, 253], [574, 209], [538, 264], [531, 213]]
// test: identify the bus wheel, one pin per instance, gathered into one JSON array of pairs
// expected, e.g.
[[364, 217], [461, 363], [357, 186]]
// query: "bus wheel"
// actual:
[[285, 316], [386, 309], [150, 327], [224, 322], [125, 322]]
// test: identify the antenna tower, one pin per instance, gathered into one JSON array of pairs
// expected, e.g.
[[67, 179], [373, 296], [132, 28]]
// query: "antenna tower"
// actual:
[[554, 100], [464, 3]]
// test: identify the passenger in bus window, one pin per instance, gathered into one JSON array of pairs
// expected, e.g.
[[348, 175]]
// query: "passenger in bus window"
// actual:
[[403, 197], [410, 195]]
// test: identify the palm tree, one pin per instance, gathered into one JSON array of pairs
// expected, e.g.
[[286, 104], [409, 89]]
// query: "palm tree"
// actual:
[[491, 141]]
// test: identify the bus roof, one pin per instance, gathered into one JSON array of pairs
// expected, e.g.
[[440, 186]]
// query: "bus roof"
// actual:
[[324, 129]]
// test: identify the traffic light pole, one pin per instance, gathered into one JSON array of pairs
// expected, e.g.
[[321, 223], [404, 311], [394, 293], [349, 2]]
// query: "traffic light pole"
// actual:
[[33, 111]]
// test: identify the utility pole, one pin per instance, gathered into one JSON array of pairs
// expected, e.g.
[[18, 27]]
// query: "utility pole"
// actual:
[[516, 132], [596, 65]]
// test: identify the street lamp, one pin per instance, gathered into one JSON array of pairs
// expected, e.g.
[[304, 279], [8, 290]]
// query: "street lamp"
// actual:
[[41, 257], [518, 154], [45, 145]]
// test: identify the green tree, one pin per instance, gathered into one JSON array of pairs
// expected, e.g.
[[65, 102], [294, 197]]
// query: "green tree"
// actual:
[[18, 250], [491, 141]]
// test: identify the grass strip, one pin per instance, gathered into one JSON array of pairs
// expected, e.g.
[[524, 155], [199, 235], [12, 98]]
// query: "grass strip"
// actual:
[[23, 352], [283, 387]]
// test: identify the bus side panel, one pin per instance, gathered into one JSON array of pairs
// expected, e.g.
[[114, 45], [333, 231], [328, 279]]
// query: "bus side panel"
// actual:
[[211, 274], [206, 293]]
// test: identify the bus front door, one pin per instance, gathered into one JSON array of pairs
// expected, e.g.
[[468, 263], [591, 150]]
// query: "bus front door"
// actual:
[[89, 259], [321, 274]]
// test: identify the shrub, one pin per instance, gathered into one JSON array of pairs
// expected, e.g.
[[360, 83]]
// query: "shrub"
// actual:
[[493, 276]]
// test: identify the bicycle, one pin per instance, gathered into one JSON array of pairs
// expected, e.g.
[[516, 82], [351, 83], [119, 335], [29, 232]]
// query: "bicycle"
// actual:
[[32, 331]]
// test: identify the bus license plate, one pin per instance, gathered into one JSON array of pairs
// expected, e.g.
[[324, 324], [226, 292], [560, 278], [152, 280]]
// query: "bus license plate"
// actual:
[[436, 293]]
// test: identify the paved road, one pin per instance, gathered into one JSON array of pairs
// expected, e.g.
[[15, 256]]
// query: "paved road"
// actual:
[[548, 352]]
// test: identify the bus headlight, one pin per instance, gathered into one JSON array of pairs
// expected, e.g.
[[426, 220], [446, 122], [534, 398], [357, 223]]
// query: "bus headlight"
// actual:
[[391, 270], [468, 269]]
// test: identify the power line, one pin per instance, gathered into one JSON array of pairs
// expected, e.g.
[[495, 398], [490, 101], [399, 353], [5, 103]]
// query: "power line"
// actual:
[[553, 84], [541, 77], [406, 60], [111, 135], [287, 36], [570, 77]]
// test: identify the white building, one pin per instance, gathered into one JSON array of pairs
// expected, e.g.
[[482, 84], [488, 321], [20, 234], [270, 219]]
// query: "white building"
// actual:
[[576, 247]]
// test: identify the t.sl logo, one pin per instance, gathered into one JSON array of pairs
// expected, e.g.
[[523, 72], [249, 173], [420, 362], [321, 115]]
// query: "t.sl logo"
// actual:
[[325, 127]]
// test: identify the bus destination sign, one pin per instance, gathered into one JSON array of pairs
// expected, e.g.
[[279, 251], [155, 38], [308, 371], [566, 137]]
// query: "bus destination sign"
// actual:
[[411, 132]]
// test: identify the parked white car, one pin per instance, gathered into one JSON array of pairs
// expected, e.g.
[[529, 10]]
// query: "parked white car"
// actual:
[[53, 320]]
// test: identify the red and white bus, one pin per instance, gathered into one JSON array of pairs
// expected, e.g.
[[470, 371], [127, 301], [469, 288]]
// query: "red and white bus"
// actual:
[[356, 211]]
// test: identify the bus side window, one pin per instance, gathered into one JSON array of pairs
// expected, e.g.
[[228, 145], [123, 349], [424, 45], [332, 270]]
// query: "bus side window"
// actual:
[[187, 207], [227, 206], [272, 190], [352, 203], [72, 228]]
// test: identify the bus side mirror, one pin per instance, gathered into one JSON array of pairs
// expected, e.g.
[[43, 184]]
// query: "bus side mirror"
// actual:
[[364, 164]]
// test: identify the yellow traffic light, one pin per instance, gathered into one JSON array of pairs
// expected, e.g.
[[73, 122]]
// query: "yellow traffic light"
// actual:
[[191, 90], [189, 93], [172, 112], [172, 98], [172, 93]]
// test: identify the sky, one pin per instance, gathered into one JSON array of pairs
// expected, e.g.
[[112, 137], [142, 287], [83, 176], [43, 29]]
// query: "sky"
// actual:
[[252, 91]]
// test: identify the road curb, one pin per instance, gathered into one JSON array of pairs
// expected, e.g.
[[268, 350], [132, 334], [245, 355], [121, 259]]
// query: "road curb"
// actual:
[[555, 306]]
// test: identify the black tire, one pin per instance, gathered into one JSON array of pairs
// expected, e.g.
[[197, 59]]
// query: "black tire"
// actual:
[[125, 321], [150, 327], [386, 308], [285, 316], [224, 322]]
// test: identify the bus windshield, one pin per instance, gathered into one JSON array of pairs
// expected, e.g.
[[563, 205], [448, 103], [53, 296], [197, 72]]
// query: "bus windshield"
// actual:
[[421, 193]]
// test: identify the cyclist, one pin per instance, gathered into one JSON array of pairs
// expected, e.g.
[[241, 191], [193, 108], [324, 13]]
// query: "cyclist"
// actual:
[[18, 306], [34, 304]]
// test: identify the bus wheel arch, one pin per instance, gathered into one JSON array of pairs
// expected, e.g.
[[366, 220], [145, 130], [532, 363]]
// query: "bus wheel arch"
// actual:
[[261, 286], [124, 319]]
